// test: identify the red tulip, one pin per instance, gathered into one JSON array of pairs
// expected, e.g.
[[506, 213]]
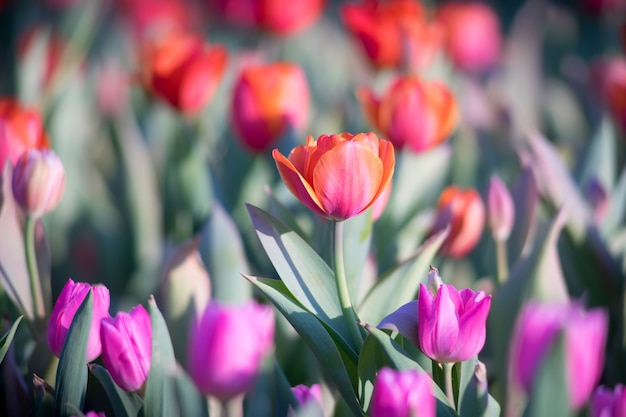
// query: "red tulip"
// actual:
[[413, 113], [267, 101], [21, 129], [338, 176]]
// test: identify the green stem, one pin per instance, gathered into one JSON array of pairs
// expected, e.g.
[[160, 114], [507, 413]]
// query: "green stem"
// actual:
[[342, 287], [31, 262], [447, 370], [501, 260]]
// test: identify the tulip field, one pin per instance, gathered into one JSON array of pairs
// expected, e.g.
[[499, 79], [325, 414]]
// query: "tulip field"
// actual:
[[313, 208]]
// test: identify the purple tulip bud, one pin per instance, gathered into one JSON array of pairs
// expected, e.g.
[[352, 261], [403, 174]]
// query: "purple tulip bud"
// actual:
[[402, 394], [609, 402], [585, 338], [127, 347], [500, 208], [64, 310], [308, 397], [227, 345], [451, 324], [94, 414]]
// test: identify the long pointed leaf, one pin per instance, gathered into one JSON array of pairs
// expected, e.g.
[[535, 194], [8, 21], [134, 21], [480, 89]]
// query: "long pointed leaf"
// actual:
[[7, 338], [124, 404]]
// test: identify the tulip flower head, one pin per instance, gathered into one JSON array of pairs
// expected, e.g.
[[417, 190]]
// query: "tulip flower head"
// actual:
[[38, 181], [21, 129], [585, 333], [402, 394], [608, 402], [309, 398], [338, 176], [451, 324], [500, 209], [127, 347], [226, 347], [65, 308]]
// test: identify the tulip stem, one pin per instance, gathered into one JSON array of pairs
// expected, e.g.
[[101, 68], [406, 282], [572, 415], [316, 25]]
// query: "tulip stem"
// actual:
[[447, 370], [501, 260], [342, 286], [31, 262]]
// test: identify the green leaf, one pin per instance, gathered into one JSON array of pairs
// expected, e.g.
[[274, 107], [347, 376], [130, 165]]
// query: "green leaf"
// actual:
[[314, 334], [190, 401], [400, 285], [44, 397], [525, 198], [357, 239], [473, 397], [124, 404], [71, 378], [615, 215], [160, 400], [601, 158], [7, 338]]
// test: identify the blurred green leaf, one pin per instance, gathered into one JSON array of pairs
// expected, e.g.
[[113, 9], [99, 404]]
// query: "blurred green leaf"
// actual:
[[473, 397], [124, 404], [44, 397], [7, 338], [190, 401], [600, 159], [615, 217], [525, 198], [356, 246]]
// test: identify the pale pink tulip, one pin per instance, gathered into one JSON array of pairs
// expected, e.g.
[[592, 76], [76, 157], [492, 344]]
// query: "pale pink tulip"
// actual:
[[500, 209]]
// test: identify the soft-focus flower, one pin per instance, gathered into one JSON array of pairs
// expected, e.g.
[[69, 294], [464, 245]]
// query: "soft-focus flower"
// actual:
[[338, 176], [154, 18], [127, 347], [112, 85], [500, 209], [21, 129], [38, 181], [473, 38], [412, 113], [406, 393], [226, 347], [394, 33], [47, 46], [451, 324], [608, 402], [597, 195], [275, 16], [309, 397], [69, 300], [183, 71], [599, 8], [585, 334], [608, 76], [464, 211], [268, 100], [94, 414]]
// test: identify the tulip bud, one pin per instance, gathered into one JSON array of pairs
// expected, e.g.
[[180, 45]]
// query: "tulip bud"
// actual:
[[21, 129], [226, 346], [308, 397], [452, 324], [38, 181], [69, 300], [402, 394], [585, 333], [608, 402], [500, 209], [127, 347], [434, 280]]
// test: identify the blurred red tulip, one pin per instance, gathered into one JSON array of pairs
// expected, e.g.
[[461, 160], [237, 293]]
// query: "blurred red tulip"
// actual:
[[393, 34], [412, 113], [473, 38], [181, 69], [21, 129], [608, 76], [154, 18], [267, 101]]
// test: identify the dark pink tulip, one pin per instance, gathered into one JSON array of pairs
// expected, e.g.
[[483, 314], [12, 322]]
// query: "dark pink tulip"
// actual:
[[227, 345], [402, 394], [451, 324], [64, 310], [127, 347], [585, 338], [304, 393], [608, 402], [500, 209]]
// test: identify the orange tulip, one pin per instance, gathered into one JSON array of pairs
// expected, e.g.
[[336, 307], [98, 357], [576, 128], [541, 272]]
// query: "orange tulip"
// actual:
[[267, 100], [338, 176], [464, 211], [413, 113], [21, 129], [393, 33], [183, 71]]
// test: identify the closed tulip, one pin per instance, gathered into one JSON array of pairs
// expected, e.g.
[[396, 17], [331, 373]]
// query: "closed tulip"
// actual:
[[21, 129], [406, 393], [585, 334], [412, 113], [268, 100], [338, 176], [127, 347], [180, 69], [451, 323], [608, 402], [500, 209], [226, 347], [38, 181], [463, 210], [69, 300]]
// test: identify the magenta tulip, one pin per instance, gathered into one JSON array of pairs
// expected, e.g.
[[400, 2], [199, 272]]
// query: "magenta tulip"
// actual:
[[227, 345], [500, 209], [309, 398], [127, 347], [451, 324], [402, 394], [608, 402], [64, 310], [585, 338]]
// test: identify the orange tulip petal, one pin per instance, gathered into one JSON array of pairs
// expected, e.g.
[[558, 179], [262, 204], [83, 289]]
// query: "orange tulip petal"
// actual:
[[387, 156]]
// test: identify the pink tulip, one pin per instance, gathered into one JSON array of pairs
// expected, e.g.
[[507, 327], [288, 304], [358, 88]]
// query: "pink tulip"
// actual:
[[309, 397], [500, 209], [402, 394], [64, 310], [127, 347], [451, 324], [609, 402], [94, 414], [227, 345], [38, 181], [585, 337]]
